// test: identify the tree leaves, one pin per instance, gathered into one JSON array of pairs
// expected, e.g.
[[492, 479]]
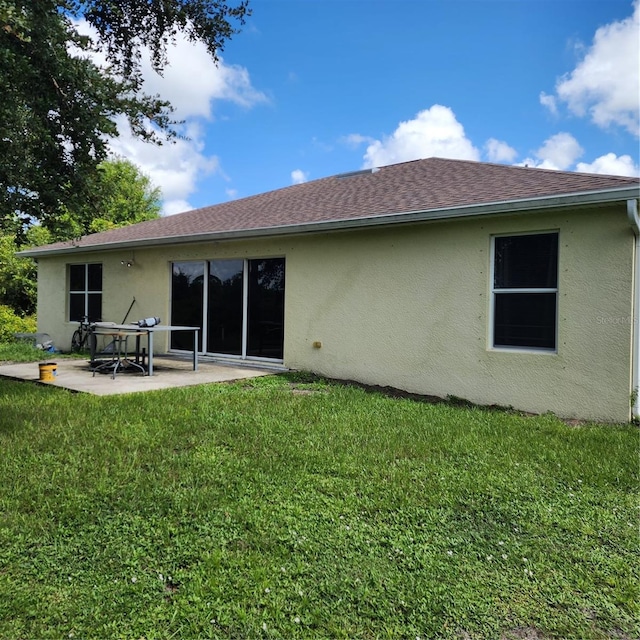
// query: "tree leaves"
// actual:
[[59, 107], [119, 195]]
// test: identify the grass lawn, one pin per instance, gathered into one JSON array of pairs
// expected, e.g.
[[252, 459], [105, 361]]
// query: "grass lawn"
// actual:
[[22, 351], [288, 507]]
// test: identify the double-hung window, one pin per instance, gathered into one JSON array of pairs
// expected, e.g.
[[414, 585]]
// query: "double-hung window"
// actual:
[[525, 291], [85, 291]]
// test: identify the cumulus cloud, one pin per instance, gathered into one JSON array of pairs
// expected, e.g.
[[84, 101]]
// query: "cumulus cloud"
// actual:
[[549, 102], [171, 207], [177, 167], [558, 152], [605, 85], [437, 132], [611, 164], [561, 152], [354, 140], [298, 176], [189, 61], [498, 151], [433, 132]]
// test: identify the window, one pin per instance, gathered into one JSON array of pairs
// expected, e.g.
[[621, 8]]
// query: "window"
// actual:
[[525, 291], [85, 291]]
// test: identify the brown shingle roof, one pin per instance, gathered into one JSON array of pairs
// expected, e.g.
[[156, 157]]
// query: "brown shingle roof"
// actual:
[[426, 185]]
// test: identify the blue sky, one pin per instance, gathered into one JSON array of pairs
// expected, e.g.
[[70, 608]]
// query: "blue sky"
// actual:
[[312, 88]]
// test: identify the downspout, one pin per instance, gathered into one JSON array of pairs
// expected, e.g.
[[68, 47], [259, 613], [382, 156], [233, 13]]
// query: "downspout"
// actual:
[[634, 219]]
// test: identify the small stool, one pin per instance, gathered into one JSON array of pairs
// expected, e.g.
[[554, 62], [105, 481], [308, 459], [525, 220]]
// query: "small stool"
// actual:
[[120, 359]]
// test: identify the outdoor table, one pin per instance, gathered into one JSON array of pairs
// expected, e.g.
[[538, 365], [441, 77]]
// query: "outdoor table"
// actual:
[[119, 358], [149, 331]]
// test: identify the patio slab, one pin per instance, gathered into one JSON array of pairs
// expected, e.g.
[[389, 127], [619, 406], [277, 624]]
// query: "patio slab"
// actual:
[[169, 371]]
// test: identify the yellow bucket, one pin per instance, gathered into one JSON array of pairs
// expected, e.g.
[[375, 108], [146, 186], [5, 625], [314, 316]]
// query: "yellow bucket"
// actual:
[[48, 370]]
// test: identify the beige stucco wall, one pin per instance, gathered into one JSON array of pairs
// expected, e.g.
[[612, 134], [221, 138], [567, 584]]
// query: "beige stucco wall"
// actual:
[[409, 307], [148, 280]]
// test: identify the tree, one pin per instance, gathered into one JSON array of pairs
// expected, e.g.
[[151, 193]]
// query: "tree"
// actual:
[[59, 107], [18, 276], [121, 195]]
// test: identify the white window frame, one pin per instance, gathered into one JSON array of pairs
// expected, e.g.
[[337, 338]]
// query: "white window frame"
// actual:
[[502, 291]]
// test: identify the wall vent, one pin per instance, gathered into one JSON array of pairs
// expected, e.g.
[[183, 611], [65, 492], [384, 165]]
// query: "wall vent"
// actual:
[[351, 174]]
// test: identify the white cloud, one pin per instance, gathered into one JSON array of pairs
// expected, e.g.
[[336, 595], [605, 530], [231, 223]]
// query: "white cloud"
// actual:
[[558, 152], [171, 207], [190, 79], [355, 140], [298, 176], [498, 151], [561, 150], [611, 164], [549, 102], [433, 132], [606, 83], [192, 83], [174, 167]]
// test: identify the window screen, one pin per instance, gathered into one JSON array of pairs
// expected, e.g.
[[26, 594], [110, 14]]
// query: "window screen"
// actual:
[[525, 291]]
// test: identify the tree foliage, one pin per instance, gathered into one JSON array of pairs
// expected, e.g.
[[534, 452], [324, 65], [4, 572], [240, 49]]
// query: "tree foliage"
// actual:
[[120, 195], [59, 107], [18, 276]]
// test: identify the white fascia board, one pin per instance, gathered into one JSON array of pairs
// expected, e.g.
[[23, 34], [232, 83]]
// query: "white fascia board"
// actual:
[[529, 205]]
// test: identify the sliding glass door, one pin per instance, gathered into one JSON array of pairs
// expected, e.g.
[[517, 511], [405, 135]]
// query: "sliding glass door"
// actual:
[[187, 286], [240, 306], [265, 307], [225, 308]]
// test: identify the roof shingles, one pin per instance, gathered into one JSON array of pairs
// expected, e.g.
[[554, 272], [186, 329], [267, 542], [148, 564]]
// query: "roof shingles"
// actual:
[[419, 185]]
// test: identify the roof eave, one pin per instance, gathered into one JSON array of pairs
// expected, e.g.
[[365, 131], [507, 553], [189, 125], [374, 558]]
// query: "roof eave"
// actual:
[[527, 205]]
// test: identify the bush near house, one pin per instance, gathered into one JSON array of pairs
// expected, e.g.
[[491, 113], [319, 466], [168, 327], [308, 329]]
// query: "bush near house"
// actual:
[[11, 323]]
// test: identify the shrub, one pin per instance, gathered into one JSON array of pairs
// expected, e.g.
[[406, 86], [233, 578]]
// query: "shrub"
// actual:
[[11, 323], [18, 287]]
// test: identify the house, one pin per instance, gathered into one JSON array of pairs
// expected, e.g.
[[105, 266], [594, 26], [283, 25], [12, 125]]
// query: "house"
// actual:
[[498, 284]]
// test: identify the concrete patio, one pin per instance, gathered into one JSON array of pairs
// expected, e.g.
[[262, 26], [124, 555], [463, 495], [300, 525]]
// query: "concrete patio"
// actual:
[[169, 371]]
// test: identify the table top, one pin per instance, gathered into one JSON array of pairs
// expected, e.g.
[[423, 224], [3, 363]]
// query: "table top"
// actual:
[[105, 331], [105, 326]]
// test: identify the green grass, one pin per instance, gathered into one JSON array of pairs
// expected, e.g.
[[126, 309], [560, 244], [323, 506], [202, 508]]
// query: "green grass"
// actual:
[[25, 351], [22, 351], [297, 508]]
